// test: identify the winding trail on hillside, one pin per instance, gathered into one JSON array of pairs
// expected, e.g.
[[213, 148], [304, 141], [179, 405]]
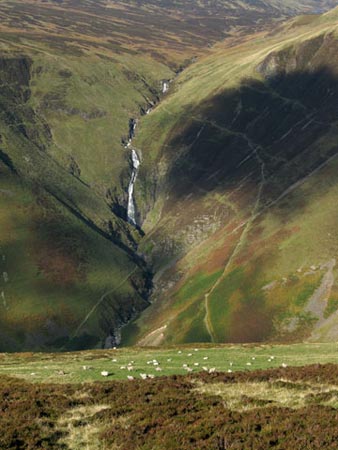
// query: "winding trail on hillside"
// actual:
[[238, 246], [256, 212], [101, 299], [297, 184], [258, 208]]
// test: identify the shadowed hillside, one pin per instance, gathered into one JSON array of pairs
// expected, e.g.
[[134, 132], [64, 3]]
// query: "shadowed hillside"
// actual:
[[241, 234]]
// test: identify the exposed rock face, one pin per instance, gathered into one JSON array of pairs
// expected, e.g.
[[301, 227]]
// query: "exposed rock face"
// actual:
[[15, 92]]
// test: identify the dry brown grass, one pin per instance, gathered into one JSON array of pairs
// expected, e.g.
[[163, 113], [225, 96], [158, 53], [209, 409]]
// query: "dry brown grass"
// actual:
[[282, 393], [80, 429]]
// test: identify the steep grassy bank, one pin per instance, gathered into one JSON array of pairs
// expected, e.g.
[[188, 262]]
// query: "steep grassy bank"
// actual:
[[242, 231], [61, 184], [70, 276]]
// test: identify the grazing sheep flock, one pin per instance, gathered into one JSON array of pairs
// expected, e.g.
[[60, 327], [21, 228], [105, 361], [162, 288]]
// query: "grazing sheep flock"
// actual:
[[145, 363], [195, 363]]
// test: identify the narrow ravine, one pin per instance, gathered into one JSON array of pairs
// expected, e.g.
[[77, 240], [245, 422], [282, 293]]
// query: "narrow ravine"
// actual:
[[135, 160]]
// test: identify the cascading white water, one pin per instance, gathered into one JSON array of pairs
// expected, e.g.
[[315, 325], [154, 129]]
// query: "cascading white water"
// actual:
[[165, 87], [136, 162], [131, 204]]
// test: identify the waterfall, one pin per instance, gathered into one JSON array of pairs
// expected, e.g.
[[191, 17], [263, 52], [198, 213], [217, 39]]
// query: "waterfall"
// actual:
[[131, 204], [165, 86], [135, 160]]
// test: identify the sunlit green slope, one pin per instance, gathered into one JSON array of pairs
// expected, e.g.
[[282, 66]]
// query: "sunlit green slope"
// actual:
[[72, 75], [242, 232]]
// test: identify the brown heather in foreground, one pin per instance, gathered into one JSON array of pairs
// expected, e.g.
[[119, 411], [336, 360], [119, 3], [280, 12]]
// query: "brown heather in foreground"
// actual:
[[173, 413]]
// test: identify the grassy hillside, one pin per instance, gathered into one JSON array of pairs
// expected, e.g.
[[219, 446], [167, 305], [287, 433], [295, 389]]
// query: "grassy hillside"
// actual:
[[57, 405], [72, 75], [60, 185], [70, 274], [242, 231]]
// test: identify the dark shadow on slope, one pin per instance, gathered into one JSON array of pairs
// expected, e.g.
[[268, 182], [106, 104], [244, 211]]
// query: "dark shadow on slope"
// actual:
[[114, 236], [7, 161], [250, 144], [278, 122], [285, 121]]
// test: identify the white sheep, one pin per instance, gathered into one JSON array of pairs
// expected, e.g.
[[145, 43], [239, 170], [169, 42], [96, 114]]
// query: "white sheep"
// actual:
[[104, 373]]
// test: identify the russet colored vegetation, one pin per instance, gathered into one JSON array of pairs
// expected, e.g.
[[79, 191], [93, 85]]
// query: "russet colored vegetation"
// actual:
[[243, 236], [279, 408]]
